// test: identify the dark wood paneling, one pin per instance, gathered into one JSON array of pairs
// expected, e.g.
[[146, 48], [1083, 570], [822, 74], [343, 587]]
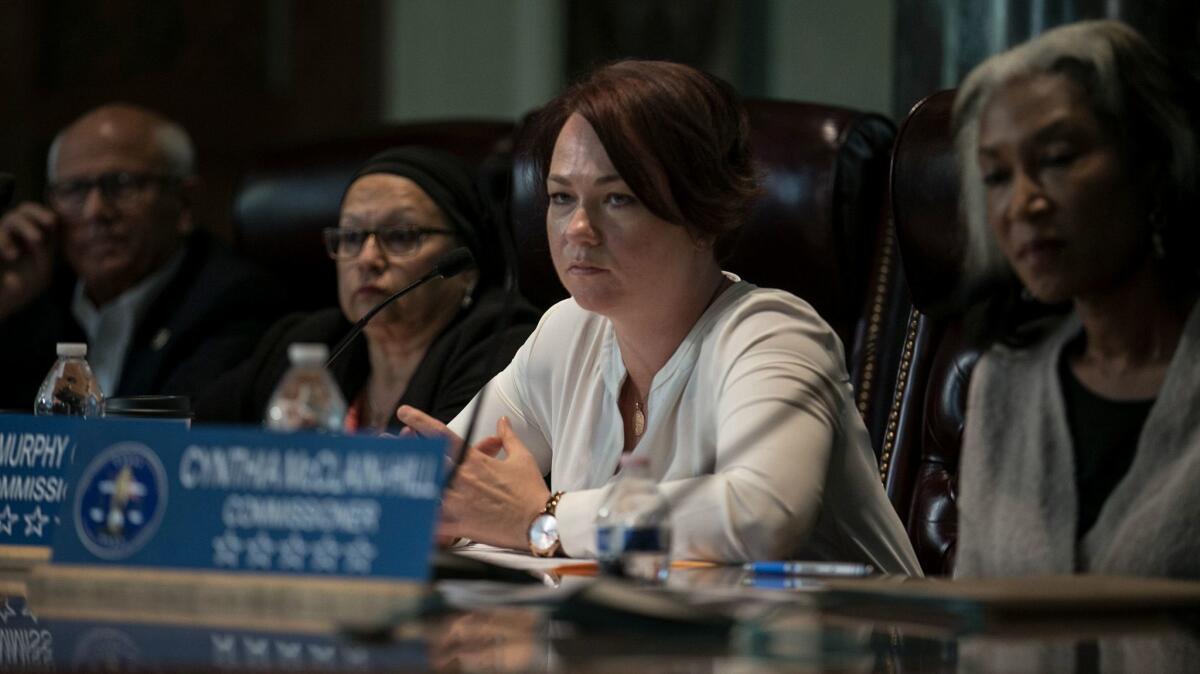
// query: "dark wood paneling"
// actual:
[[240, 76]]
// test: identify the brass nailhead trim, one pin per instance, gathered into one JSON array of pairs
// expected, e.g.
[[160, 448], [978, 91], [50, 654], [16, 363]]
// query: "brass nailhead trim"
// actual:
[[889, 443], [871, 344]]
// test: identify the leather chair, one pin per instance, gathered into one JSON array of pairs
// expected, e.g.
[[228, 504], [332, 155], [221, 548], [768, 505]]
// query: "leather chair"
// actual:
[[820, 232], [920, 455], [285, 201]]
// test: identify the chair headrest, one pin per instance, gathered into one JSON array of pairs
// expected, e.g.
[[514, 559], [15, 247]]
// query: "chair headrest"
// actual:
[[292, 194], [811, 233], [925, 206]]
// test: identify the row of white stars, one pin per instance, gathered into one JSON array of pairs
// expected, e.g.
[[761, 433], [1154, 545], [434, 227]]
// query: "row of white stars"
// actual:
[[257, 651], [7, 611], [322, 555], [35, 521]]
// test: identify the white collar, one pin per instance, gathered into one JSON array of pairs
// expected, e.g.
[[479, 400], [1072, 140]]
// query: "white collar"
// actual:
[[133, 302]]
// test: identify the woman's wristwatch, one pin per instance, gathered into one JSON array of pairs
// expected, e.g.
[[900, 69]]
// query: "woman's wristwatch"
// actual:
[[543, 530]]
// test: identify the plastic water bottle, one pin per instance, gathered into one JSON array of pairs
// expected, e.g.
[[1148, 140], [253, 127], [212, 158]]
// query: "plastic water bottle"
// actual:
[[306, 398], [633, 525], [70, 388]]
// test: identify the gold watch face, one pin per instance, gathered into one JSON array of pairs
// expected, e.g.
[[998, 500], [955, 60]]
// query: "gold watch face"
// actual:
[[543, 534]]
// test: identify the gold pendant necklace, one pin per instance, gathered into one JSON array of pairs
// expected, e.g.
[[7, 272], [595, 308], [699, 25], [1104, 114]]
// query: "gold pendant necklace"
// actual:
[[639, 419]]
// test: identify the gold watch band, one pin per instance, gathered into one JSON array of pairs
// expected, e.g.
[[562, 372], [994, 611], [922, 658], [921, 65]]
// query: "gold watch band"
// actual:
[[552, 503], [548, 514]]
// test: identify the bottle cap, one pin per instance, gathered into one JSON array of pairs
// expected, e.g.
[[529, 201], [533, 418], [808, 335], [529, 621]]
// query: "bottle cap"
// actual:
[[303, 353], [71, 349]]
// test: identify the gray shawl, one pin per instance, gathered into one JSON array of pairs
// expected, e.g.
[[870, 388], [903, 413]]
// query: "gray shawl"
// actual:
[[1017, 498]]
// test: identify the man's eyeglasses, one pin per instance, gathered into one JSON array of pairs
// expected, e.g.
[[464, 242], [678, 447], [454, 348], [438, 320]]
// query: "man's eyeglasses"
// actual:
[[119, 188], [344, 243]]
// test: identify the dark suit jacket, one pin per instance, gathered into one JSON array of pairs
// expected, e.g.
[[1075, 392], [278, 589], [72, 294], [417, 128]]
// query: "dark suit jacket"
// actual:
[[455, 368], [206, 320]]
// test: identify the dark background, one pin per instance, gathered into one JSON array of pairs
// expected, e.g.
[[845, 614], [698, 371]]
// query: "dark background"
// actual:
[[247, 76]]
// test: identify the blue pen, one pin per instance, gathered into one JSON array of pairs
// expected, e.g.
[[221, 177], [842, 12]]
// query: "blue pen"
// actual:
[[841, 569], [773, 582]]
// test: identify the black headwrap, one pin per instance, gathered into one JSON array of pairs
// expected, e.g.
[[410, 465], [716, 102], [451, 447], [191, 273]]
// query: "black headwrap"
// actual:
[[450, 183]]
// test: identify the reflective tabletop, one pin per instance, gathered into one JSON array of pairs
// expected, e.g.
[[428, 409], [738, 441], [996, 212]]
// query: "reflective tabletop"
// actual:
[[708, 620]]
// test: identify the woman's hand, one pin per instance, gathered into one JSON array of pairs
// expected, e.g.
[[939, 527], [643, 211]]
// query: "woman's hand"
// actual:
[[491, 500], [420, 424]]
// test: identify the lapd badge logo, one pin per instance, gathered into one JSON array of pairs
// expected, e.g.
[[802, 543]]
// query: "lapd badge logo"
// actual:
[[120, 500]]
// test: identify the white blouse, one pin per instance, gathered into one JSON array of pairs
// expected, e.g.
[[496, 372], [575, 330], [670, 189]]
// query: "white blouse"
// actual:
[[750, 429]]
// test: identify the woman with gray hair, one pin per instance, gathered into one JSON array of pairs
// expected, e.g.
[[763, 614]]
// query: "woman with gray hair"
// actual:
[[1082, 443]]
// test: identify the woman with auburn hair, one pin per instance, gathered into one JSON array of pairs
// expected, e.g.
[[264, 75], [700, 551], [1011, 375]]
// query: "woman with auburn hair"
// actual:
[[1082, 443], [736, 396]]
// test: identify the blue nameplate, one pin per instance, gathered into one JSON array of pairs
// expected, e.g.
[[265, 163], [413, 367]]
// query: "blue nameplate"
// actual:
[[35, 453], [234, 500], [104, 646], [28, 641], [25, 643]]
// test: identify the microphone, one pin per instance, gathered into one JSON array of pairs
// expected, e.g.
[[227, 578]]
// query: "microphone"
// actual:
[[453, 263], [7, 188]]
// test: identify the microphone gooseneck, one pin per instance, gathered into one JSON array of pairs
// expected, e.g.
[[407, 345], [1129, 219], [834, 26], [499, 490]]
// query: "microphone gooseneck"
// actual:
[[451, 264]]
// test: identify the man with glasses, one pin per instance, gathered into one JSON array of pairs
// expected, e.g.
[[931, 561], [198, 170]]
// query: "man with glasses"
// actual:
[[114, 258]]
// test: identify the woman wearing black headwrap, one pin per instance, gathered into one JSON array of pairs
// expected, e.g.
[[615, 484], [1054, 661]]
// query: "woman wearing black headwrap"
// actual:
[[404, 209]]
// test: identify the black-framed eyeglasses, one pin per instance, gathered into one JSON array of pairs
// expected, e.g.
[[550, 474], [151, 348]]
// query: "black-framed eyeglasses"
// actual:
[[118, 187], [344, 243]]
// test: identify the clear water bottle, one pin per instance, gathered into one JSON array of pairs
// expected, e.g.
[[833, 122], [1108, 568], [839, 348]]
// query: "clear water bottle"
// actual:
[[633, 525], [70, 388], [307, 398]]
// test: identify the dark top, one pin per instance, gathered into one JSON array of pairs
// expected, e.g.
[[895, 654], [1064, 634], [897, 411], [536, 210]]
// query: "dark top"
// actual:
[[1104, 435], [205, 321], [453, 370]]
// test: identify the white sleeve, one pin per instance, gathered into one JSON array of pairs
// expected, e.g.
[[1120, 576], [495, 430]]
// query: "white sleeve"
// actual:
[[507, 395], [781, 383]]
